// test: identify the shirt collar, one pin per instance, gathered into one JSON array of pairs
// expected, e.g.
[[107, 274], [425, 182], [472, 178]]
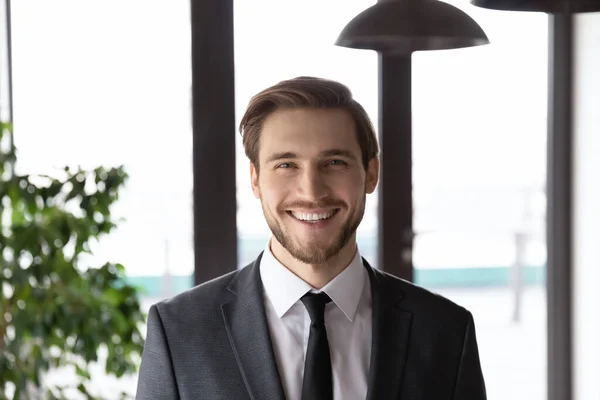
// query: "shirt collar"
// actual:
[[284, 288]]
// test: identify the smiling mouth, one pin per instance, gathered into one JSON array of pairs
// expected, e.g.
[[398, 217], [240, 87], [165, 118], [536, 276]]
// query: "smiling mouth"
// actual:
[[313, 217]]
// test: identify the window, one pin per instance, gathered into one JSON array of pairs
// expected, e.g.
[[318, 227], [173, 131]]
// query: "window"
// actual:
[[277, 40], [109, 83], [479, 118]]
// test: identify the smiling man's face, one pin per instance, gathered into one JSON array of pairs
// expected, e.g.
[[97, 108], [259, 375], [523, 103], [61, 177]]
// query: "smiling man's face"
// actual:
[[311, 181]]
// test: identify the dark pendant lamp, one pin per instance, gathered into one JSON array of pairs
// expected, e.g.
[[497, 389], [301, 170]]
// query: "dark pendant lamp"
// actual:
[[405, 26], [396, 29], [547, 6]]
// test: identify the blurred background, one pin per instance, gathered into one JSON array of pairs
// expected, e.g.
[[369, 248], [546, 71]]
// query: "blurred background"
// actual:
[[110, 83]]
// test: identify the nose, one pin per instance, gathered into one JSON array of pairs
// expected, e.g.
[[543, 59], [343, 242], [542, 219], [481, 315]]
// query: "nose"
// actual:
[[313, 184]]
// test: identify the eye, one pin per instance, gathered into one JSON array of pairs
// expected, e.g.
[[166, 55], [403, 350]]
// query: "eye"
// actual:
[[336, 162], [284, 165]]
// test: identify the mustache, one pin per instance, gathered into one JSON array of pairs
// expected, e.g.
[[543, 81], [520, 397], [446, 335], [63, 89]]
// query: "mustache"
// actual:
[[325, 203]]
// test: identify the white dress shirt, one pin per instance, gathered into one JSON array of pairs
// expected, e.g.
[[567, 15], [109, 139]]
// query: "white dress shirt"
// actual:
[[347, 320]]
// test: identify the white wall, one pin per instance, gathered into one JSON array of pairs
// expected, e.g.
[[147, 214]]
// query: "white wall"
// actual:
[[586, 202]]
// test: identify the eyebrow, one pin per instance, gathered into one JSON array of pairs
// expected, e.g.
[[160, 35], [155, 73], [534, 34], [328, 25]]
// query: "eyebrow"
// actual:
[[286, 155], [281, 156], [337, 152]]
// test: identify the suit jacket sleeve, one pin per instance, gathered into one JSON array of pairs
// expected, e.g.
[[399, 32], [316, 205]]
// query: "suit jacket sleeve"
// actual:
[[470, 384], [156, 380]]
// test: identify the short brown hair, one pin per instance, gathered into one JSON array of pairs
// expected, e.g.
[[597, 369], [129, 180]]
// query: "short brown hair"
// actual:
[[306, 92]]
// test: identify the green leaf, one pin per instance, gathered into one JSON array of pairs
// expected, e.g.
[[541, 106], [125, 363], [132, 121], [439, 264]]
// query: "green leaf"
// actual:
[[81, 387], [82, 373]]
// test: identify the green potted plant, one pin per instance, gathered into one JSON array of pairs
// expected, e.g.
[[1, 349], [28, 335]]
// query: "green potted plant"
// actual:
[[57, 312]]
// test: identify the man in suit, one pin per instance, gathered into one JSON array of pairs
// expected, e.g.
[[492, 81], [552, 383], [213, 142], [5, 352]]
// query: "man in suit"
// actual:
[[309, 319]]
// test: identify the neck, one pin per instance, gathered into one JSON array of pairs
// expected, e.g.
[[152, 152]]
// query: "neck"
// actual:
[[316, 275]]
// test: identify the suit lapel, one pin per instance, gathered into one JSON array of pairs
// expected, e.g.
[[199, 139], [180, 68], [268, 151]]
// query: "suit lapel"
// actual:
[[391, 328], [246, 322]]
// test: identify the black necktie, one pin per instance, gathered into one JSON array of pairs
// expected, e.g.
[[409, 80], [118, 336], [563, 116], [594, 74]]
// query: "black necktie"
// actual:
[[318, 382]]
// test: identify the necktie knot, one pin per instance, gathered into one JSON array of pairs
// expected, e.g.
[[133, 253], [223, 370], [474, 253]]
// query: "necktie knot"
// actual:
[[315, 305]]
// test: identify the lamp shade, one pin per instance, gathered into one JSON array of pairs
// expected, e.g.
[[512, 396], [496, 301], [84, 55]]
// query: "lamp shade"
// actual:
[[405, 26], [548, 6]]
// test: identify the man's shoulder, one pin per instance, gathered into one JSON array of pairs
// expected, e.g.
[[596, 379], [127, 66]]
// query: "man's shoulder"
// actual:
[[415, 298], [202, 298]]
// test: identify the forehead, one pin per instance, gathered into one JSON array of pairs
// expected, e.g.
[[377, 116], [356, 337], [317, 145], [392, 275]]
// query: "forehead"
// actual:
[[309, 131]]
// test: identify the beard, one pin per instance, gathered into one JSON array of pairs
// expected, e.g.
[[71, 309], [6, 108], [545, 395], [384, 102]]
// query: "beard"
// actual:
[[315, 252]]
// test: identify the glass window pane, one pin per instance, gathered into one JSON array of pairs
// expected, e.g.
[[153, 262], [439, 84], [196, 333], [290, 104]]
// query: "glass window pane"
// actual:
[[277, 40], [479, 118], [106, 83]]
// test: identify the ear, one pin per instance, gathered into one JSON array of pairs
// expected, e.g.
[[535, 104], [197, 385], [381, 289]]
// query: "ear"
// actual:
[[372, 176], [254, 180]]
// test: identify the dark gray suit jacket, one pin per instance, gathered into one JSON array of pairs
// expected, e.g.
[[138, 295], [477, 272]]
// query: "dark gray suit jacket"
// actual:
[[212, 342]]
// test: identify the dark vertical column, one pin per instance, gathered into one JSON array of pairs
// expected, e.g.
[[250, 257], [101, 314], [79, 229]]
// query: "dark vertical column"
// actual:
[[215, 229], [395, 189], [8, 45], [559, 209], [6, 90]]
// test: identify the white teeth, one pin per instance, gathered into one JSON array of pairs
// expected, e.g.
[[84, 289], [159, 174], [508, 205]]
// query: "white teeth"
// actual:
[[313, 217]]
